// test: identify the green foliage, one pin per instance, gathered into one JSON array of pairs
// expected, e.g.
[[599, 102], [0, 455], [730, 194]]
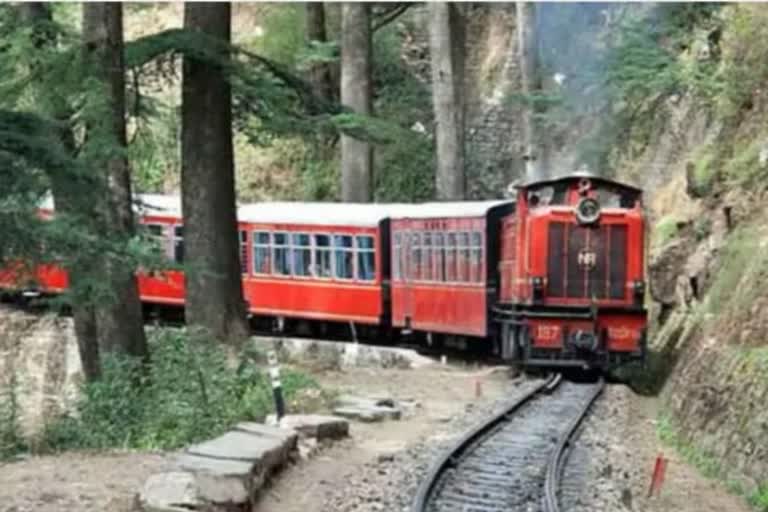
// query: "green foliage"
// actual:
[[744, 46], [190, 393], [11, 440], [665, 230], [283, 38], [404, 166]]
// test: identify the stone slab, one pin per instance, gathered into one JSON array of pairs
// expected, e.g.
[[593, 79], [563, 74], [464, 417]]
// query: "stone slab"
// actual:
[[175, 491], [316, 426], [368, 414], [285, 435], [220, 467]]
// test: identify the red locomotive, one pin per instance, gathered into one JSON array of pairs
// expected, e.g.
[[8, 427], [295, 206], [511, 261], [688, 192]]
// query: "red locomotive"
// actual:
[[553, 278]]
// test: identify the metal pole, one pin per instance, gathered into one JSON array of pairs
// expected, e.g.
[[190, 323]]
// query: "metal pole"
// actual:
[[277, 389]]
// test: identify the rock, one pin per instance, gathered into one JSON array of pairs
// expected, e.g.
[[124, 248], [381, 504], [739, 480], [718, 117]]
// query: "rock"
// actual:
[[247, 447], [316, 426], [169, 492], [308, 447]]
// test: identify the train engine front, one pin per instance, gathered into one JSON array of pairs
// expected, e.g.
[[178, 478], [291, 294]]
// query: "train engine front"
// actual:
[[572, 275]]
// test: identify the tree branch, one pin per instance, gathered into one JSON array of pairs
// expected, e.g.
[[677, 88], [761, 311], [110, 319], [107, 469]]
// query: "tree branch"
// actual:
[[390, 16]]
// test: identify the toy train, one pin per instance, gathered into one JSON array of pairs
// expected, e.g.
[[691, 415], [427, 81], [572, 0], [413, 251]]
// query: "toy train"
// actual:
[[553, 278]]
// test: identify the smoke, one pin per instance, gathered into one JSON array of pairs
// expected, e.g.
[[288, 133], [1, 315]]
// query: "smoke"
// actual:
[[575, 42]]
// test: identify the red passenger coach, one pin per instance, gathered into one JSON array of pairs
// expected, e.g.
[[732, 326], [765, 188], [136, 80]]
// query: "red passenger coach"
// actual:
[[318, 261], [444, 267]]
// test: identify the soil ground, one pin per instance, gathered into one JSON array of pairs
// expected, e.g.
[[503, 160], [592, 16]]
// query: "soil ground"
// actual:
[[96, 483]]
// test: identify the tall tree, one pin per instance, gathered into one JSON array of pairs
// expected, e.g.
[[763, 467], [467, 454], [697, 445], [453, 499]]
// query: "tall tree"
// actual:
[[356, 155], [319, 73], [214, 294], [120, 320], [534, 148], [65, 195], [446, 45]]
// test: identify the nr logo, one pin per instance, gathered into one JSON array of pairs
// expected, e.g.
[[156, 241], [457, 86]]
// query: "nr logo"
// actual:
[[587, 258]]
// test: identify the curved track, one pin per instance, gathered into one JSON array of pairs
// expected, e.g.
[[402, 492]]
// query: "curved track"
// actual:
[[514, 460]]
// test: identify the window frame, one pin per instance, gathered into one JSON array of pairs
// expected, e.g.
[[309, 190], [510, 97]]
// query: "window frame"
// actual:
[[350, 249], [286, 246], [256, 245], [294, 247], [365, 250]]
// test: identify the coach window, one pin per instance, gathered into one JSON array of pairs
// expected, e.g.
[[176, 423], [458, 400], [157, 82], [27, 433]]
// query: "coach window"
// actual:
[[395, 257], [450, 257], [243, 252], [462, 257], [302, 254], [476, 257], [343, 256], [322, 265], [261, 264], [178, 244], [414, 262], [281, 254], [157, 236], [366, 259], [438, 257], [426, 257]]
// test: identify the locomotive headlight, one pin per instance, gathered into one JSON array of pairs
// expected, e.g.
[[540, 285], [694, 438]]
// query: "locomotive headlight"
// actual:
[[587, 211], [537, 283]]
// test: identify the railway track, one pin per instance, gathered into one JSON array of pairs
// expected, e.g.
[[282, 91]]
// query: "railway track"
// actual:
[[514, 460]]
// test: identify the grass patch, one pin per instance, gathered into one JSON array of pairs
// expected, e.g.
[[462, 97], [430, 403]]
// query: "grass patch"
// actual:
[[191, 392], [706, 463], [759, 499]]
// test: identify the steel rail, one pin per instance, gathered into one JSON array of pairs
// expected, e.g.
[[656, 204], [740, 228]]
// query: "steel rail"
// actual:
[[455, 454], [557, 459]]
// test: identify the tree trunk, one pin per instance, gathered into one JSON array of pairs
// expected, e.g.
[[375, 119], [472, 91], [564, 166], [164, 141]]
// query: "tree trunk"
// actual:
[[214, 293], [120, 320], [38, 15], [528, 48], [446, 46], [356, 155], [320, 73]]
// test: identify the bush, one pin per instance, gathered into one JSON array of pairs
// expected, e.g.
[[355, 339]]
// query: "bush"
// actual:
[[190, 393]]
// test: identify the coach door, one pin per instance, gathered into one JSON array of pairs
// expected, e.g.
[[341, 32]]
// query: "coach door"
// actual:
[[412, 264]]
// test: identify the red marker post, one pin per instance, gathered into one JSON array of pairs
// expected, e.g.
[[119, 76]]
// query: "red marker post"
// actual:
[[657, 479]]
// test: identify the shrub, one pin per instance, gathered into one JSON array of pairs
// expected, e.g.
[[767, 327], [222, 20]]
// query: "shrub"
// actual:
[[190, 393]]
